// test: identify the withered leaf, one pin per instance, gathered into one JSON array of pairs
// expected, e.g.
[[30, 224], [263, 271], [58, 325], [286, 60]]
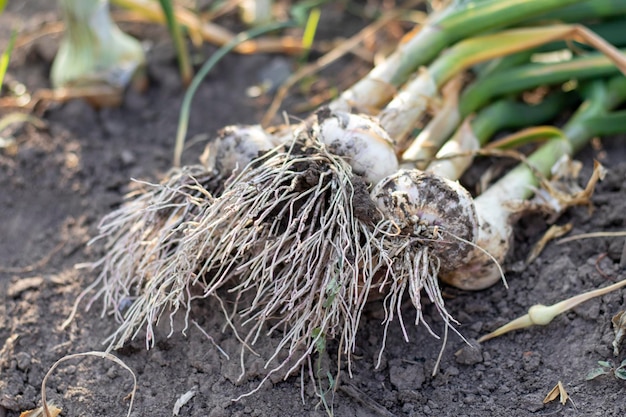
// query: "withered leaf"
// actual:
[[554, 232], [39, 412], [557, 391]]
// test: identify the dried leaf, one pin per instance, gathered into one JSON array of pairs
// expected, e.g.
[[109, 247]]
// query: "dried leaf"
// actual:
[[38, 412], [619, 327], [562, 190], [553, 232], [557, 391]]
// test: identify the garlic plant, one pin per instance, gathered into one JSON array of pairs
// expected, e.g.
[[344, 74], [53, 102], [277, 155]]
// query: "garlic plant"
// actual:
[[306, 225], [94, 52]]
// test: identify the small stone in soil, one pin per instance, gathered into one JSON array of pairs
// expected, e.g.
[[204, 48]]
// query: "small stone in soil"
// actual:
[[532, 402], [406, 376], [469, 354]]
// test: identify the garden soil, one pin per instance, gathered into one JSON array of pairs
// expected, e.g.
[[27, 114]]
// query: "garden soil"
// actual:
[[66, 176]]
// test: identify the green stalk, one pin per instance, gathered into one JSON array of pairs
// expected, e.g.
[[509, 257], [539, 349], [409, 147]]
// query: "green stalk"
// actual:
[[532, 75], [485, 69], [182, 53], [506, 113], [585, 11], [602, 98], [482, 48], [586, 123], [511, 114], [456, 155], [611, 31], [453, 24], [608, 124], [401, 114]]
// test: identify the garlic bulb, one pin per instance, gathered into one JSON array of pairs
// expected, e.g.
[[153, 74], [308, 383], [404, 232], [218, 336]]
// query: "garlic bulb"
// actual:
[[235, 147], [360, 140], [437, 210]]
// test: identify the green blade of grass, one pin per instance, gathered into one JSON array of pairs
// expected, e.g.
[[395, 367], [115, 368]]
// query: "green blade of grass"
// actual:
[[309, 31], [6, 55], [182, 53], [183, 120]]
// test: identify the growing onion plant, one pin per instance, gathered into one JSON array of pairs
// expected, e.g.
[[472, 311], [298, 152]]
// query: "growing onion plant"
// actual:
[[95, 53]]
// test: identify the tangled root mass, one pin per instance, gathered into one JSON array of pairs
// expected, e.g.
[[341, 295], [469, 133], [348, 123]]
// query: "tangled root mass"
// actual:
[[293, 244]]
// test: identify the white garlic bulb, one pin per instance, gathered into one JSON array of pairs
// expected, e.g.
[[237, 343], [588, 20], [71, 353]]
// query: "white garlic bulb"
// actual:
[[435, 209], [360, 140], [235, 147]]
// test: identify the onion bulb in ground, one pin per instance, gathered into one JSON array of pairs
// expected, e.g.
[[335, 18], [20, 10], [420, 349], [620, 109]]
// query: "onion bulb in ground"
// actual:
[[496, 209], [94, 52], [494, 238]]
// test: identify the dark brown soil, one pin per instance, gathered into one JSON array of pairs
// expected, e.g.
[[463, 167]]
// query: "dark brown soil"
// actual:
[[64, 178]]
